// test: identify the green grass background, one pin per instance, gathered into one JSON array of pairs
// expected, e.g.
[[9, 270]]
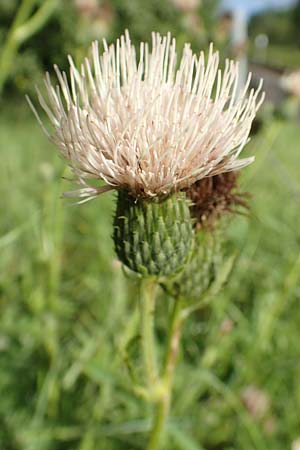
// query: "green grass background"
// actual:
[[67, 312]]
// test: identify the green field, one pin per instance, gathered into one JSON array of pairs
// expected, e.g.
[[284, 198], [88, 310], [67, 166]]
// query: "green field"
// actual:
[[67, 312]]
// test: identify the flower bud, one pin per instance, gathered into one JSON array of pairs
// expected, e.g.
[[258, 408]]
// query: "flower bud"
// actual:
[[201, 270]]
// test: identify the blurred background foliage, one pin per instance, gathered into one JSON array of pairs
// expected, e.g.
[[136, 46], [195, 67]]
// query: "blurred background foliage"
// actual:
[[68, 317], [74, 24], [282, 27]]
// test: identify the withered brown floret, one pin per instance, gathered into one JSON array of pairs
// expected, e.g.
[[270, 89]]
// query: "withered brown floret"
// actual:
[[214, 196]]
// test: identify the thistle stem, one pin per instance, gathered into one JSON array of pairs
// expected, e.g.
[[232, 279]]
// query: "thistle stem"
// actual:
[[163, 404], [147, 306]]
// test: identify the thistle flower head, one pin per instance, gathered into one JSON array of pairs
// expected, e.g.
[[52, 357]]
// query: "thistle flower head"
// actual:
[[151, 125]]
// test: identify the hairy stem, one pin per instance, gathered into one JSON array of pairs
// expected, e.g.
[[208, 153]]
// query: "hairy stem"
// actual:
[[163, 404]]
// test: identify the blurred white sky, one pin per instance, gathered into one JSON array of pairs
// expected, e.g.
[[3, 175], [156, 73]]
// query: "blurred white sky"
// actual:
[[252, 6]]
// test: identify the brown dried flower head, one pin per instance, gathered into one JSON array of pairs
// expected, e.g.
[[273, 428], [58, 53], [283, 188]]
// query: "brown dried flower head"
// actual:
[[213, 196]]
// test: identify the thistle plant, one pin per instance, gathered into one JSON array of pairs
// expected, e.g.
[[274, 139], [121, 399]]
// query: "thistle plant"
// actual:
[[154, 129]]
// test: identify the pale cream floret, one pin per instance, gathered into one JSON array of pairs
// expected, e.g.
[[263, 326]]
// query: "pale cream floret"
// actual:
[[151, 127]]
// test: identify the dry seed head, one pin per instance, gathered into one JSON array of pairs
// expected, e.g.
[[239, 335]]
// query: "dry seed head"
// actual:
[[149, 126]]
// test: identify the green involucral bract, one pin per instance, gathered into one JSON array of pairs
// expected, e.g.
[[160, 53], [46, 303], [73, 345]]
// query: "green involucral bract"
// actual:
[[153, 236], [202, 268]]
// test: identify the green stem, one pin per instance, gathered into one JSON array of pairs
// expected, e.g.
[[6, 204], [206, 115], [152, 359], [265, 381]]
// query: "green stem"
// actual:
[[147, 305], [22, 29], [37, 21], [163, 404], [22, 14]]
